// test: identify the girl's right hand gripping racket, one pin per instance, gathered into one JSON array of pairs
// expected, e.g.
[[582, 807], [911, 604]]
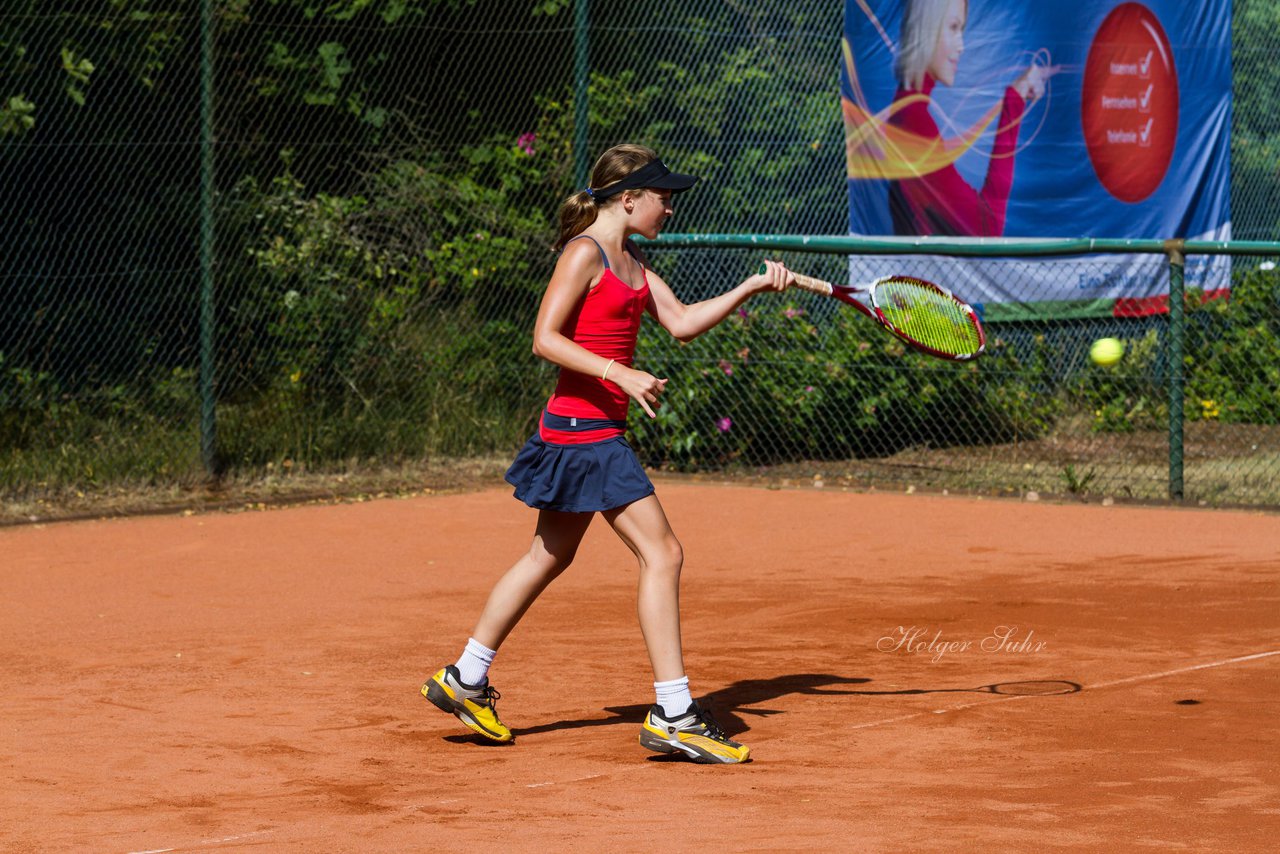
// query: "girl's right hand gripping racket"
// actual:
[[926, 316]]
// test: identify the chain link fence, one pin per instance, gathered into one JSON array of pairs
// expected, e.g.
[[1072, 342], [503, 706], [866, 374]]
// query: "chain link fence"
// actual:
[[380, 179]]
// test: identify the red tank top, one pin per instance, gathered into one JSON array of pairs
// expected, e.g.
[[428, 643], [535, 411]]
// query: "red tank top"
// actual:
[[607, 323]]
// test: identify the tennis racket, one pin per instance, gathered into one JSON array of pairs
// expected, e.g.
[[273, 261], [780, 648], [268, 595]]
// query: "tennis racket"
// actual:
[[923, 315]]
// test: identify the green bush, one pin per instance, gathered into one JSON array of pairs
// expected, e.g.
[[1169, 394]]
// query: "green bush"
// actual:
[[1127, 396], [1233, 353], [1231, 365], [756, 389], [392, 322], [146, 431]]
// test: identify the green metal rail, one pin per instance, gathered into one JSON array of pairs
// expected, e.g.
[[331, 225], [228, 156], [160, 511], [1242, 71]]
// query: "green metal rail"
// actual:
[[1005, 247]]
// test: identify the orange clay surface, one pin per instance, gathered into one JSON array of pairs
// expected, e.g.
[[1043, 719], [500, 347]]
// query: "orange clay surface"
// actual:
[[249, 681]]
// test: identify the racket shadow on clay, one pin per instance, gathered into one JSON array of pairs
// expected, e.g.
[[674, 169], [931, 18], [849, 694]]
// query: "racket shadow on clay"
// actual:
[[1032, 688], [741, 697]]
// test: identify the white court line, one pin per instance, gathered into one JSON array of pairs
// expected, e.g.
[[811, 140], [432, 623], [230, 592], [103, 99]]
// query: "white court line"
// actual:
[[1184, 670], [204, 842], [559, 782], [1126, 681], [611, 773]]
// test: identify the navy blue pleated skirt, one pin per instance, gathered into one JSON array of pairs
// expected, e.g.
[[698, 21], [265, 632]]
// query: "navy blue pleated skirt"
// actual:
[[578, 478]]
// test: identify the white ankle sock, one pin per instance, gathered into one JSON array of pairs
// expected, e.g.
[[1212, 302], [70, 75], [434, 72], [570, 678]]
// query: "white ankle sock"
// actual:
[[674, 696], [473, 666]]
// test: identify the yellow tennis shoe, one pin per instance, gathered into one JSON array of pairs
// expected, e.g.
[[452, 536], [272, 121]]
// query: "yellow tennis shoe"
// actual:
[[695, 734], [472, 705]]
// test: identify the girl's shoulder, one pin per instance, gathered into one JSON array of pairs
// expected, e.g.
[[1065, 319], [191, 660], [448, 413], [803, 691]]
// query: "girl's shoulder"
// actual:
[[581, 261], [581, 249]]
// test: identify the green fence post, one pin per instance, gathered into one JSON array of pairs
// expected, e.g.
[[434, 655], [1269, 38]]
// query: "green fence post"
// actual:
[[1177, 380], [581, 73], [208, 415]]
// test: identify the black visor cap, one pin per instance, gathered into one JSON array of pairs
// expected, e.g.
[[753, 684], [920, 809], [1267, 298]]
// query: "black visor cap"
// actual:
[[653, 175]]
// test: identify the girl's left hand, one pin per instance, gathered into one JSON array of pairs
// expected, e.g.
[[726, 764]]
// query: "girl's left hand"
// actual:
[[776, 277], [644, 388]]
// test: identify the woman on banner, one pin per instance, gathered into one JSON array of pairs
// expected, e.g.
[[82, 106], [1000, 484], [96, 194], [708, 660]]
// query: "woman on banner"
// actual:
[[937, 200]]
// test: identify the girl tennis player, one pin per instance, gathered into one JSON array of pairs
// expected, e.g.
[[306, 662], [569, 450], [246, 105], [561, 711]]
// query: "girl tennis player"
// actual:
[[578, 463]]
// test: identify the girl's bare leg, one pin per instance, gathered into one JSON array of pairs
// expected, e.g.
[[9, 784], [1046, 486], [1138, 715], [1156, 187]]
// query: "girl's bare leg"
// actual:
[[643, 526], [555, 542]]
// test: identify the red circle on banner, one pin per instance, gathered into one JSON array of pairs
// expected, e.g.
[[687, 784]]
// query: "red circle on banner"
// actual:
[[1129, 103]]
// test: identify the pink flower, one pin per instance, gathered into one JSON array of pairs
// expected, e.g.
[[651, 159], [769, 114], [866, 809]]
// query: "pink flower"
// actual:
[[742, 312], [808, 389], [792, 313], [726, 367], [526, 141], [724, 424]]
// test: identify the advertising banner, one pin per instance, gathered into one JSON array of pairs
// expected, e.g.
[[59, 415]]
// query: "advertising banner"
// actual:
[[991, 118]]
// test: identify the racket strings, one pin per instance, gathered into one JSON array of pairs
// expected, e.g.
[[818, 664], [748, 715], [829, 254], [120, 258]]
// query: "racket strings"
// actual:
[[926, 316]]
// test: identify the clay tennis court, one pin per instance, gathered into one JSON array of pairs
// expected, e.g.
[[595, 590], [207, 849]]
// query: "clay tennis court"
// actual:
[[249, 681]]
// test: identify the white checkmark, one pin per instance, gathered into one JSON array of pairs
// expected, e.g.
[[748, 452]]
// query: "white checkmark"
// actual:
[[1144, 64], [1144, 100], [1144, 135]]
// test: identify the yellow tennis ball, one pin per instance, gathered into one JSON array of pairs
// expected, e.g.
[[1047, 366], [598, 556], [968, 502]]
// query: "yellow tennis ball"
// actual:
[[1106, 351]]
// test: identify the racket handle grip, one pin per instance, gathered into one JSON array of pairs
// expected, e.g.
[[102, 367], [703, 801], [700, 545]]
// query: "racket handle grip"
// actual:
[[807, 283]]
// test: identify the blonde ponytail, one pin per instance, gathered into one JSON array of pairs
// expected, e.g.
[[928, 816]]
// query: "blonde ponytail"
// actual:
[[576, 215]]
